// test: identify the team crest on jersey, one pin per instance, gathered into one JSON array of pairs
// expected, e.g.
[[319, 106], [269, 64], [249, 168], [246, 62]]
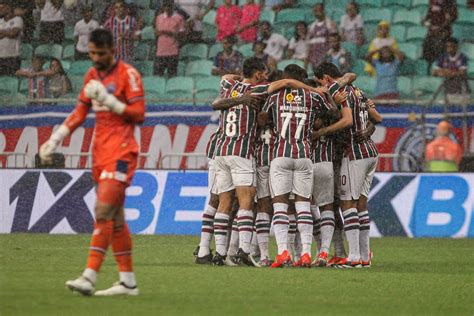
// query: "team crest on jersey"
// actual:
[[111, 87], [235, 94], [358, 93], [290, 97]]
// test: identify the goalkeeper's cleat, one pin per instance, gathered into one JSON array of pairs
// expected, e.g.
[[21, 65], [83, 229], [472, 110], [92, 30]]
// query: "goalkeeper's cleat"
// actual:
[[305, 261], [231, 261], [196, 252], [218, 260], [243, 258], [81, 285], [346, 263], [204, 259], [281, 260], [334, 261], [118, 288], [321, 260]]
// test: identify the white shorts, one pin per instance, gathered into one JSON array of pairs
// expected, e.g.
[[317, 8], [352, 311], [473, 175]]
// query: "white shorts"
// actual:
[[263, 182], [234, 171], [211, 177], [288, 175], [323, 183], [356, 177]]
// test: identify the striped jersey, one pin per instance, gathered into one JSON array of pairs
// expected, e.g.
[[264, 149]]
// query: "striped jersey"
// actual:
[[123, 30], [264, 146], [211, 145], [239, 123], [360, 118], [293, 112]]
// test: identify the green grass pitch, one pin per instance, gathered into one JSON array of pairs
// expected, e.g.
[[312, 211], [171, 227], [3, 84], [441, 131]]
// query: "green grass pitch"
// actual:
[[409, 276]]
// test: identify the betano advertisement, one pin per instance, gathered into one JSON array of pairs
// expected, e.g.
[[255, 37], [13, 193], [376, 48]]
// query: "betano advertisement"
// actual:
[[169, 202]]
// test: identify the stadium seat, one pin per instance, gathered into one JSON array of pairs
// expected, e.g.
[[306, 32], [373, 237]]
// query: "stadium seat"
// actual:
[[213, 50], [8, 86], [376, 15], [408, 67], [148, 17], [421, 67], [410, 50], [416, 33], [470, 68], [399, 32], [419, 3], [49, 50], [77, 81], [69, 33], [364, 4], [468, 49], [141, 52], [362, 51], [463, 32], [370, 31], [23, 86], [69, 51], [306, 4], [465, 16], [142, 4], [210, 17], [209, 31], [246, 50], [397, 4], [267, 15], [199, 69], [336, 14], [359, 66], [145, 67], [154, 86], [290, 15], [285, 62], [425, 86], [180, 89], [367, 84], [407, 17], [351, 47], [191, 52], [207, 89], [405, 86], [79, 67], [26, 51], [148, 34]]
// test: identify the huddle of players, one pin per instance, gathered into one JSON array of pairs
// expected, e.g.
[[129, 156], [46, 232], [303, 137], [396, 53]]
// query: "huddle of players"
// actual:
[[282, 144]]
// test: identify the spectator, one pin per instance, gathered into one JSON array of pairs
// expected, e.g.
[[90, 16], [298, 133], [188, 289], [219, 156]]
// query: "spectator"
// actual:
[[443, 154], [452, 66], [169, 27], [196, 10], [57, 82], [11, 27], [125, 29], [387, 67], [338, 55], [51, 21], [36, 78], [249, 22], [277, 5], [352, 25], [298, 48], [259, 52], [441, 15], [227, 20], [24, 9], [228, 61], [82, 29], [318, 33], [382, 39], [276, 43]]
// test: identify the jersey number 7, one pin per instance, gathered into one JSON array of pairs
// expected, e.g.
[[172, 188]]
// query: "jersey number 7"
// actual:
[[286, 117]]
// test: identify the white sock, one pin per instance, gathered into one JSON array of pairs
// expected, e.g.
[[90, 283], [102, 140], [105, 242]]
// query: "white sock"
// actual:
[[339, 250], [280, 225], [90, 275], [364, 238], [221, 225], [245, 224], [327, 229], [254, 249], [305, 225], [207, 230], [128, 278], [262, 224], [351, 227], [316, 226], [292, 235], [298, 248], [234, 239]]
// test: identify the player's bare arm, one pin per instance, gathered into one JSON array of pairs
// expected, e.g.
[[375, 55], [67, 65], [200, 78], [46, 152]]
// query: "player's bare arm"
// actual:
[[221, 104], [293, 84], [343, 123], [363, 135], [347, 79], [374, 115]]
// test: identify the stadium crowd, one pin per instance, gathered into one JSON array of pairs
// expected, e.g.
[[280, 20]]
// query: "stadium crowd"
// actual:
[[387, 43]]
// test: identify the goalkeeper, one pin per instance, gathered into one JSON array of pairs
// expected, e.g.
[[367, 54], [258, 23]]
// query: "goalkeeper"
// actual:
[[114, 90]]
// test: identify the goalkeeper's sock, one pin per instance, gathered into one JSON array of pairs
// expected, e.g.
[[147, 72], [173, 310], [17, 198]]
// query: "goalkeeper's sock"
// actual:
[[101, 239], [221, 225], [351, 227], [122, 247], [364, 239], [207, 230]]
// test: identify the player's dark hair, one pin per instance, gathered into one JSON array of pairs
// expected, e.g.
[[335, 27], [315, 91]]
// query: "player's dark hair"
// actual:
[[453, 40], [327, 68], [294, 71], [311, 83], [252, 65], [102, 38], [275, 75]]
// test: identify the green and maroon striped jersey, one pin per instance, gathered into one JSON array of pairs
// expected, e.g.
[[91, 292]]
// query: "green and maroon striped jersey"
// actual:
[[211, 145], [360, 118], [239, 123], [293, 112], [264, 146]]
